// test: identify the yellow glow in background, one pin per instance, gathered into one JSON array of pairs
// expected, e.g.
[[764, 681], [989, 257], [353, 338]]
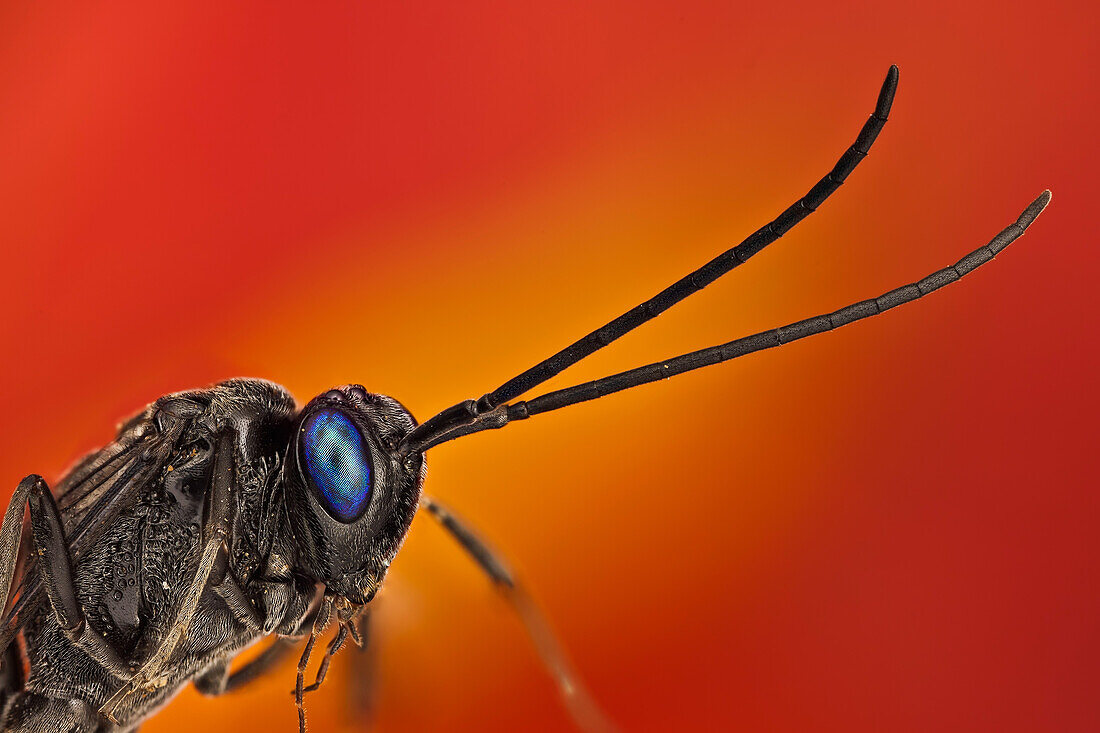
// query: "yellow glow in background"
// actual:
[[891, 527]]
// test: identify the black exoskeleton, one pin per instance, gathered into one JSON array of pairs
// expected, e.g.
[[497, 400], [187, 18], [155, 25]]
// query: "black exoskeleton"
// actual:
[[223, 515], [198, 531]]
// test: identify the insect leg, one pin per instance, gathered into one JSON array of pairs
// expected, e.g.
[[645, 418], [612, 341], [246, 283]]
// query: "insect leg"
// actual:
[[56, 568], [279, 650], [283, 603], [334, 647], [361, 681], [226, 586], [580, 704], [320, 623], [11, 675], [219, 680], [215, 530], [30, 712]]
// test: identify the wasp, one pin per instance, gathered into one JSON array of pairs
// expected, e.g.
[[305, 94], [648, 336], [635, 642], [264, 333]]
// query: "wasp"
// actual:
[[222, 516]]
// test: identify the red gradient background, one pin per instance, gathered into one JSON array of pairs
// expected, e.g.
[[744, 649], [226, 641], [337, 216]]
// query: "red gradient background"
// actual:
[[889, 528]]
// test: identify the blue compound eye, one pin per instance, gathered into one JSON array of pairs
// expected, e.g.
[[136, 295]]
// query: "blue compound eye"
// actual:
[[337, 462]]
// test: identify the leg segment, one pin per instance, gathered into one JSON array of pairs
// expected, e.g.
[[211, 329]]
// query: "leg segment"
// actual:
[[215, 531], [583, 709], [226, 586], [320, 623], [219, 680], [279, 650], [29, 712], [11, 675], [56, 568], [361, 681]]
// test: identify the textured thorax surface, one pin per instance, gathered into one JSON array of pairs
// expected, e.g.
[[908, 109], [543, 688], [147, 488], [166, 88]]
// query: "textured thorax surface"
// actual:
[[135, 574]]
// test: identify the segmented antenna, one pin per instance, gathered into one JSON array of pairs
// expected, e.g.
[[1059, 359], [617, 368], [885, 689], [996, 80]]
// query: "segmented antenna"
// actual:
[[477, 421], [670, 296]]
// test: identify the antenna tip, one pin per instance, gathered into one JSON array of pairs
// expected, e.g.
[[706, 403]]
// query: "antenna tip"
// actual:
[[886, 95], [1034, 209]]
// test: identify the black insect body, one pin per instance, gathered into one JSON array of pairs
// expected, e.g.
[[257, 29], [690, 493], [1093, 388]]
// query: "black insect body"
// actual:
[[223, 515], [190, 538]]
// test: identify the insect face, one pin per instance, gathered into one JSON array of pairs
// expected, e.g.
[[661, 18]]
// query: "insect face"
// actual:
[[350, 497]]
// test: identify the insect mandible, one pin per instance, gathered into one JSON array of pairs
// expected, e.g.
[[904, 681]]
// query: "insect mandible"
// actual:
[[220, 516]]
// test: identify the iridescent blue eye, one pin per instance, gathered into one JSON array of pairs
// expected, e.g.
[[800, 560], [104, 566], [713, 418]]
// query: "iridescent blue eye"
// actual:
[[337, 462]]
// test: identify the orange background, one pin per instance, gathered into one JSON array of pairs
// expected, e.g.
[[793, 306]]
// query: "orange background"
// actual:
[[889, 528]]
